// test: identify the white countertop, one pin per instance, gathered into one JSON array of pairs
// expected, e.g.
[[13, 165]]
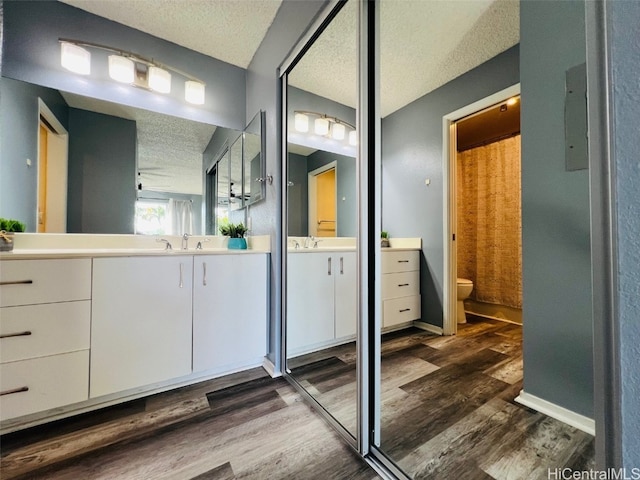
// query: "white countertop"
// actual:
[[36, 254]]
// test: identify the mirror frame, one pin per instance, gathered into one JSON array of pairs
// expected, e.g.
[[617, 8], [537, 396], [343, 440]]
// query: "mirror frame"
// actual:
[[257, 126], [236, 154]]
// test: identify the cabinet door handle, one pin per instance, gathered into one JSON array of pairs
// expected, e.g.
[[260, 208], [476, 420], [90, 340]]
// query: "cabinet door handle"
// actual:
[[329, 266], [181, 275], [17, 334], [403, 261], [341, 266], [15, 390], [403, 284], [405, 310], [17, 282], [204, 273]]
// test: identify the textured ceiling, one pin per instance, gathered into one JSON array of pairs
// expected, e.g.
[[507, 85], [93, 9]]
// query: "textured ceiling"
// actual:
[[229, 30], [169, 148]]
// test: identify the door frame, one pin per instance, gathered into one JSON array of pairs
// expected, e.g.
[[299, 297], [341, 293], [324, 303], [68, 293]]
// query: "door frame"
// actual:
[[311, 195], [449, 142], [57, 167]]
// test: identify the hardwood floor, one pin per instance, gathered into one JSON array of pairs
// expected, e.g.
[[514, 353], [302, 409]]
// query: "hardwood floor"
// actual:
[[244, 426], [447, 413], [447, 408]]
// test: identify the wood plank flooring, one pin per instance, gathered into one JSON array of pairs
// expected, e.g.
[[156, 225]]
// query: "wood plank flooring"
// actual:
[[447, 405], [244, 426]]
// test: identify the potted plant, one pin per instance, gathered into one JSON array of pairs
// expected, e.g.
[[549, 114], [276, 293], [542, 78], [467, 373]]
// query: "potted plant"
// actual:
[[384, 239], [235, 232], [7, 229]]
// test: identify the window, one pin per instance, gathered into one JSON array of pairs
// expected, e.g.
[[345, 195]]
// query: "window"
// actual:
[[151, 217]]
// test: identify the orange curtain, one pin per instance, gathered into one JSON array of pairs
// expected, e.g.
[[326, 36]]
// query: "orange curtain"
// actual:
[[489, 221]]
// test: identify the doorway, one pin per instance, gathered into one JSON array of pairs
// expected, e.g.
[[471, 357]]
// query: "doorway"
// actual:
[[53, 142], [322, 201], [450, 155]]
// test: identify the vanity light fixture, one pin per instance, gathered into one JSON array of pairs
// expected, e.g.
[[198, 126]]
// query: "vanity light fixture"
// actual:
[[128, 67], [326, 126], [75, 58]]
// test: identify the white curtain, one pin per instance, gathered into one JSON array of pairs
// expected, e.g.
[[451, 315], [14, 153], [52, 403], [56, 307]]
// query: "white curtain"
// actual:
[[180, 217]]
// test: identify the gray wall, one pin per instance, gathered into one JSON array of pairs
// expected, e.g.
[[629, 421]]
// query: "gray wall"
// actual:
[[31, 52], [19, 125], [102, 173], [298, 204], [412, 152], [624, 37], [289, 25], [557, 319]]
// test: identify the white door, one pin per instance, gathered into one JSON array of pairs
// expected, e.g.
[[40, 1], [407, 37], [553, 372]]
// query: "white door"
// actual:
[[230, 308], [310, 300], [141, 322], [345, 294]]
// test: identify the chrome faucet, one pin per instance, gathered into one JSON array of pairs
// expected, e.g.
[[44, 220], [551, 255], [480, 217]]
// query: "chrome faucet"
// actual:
[[168, 244], [296, 245], [308, 240], [185, 241]]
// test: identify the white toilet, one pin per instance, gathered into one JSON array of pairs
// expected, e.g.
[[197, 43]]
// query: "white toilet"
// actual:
[[464, 290]]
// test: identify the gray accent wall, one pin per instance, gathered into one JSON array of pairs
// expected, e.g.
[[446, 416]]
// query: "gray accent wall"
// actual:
[[557, 316], [298, 205], [290, 23], [19, 124], [31, 52], [624, 41], [102, 173], [412, 153]]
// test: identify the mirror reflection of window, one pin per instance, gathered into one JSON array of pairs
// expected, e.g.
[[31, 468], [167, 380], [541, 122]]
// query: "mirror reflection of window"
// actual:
[[151, 217]]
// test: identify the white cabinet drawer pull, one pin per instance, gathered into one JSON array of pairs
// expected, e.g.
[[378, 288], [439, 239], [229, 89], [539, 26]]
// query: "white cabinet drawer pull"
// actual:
[[204, 273], [15, 390], [405, 310], [341, 266], [403, 261], [181, 275], [17, 334], [329, 266], [403, 284], [17, 282]]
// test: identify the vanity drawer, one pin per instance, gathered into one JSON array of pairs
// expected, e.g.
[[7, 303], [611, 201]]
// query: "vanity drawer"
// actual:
[[400, 310], [27, 282], [35, 385], [402, 261], [40, 330], [401, 284]]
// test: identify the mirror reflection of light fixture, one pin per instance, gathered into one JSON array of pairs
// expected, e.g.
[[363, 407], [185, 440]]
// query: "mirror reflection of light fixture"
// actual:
[[121, 69], [128, 67], [353, 138], [301, 122], [337, 131], [321, 126], [75, 58], [159, 79]]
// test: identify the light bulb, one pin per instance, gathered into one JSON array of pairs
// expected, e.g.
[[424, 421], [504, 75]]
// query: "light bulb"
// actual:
[[353, 138], [337, 131], [321, 126], [159, 80], [194, 92], [121, 69], [75, 59], [301, 122]]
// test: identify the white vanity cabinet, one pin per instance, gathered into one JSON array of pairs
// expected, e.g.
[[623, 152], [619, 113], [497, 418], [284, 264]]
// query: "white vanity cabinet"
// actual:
[[45, 319], [400, 287], [321, 299], [230, 306], [141, 321]]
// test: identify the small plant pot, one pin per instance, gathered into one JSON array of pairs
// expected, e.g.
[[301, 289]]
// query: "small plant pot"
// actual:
[[6, 242], [384, 242], [237, 244]]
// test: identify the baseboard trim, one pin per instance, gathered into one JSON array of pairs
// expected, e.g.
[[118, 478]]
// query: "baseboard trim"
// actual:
[[270, 368], [428, 327], [565, 415]]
